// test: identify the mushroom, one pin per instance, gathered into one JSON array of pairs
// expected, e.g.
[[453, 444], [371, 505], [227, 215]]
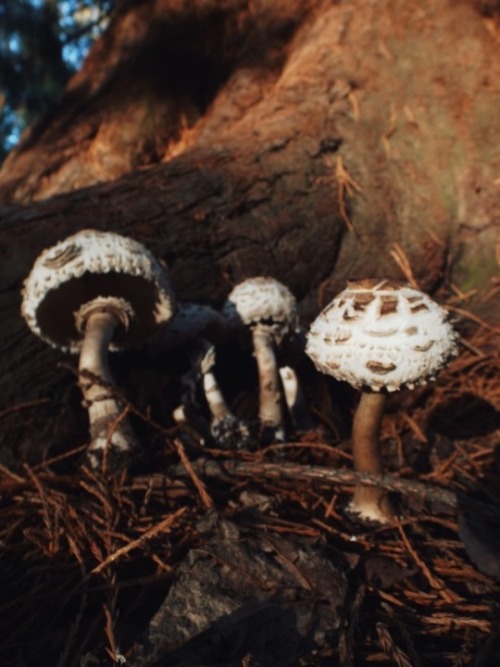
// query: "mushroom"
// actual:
[[380, 336], [192, 327], [228, 431], [187, 330], [269, 309], [90, 293]]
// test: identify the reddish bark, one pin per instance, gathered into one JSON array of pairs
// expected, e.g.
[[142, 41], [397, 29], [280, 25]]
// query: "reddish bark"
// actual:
[[297, 139]]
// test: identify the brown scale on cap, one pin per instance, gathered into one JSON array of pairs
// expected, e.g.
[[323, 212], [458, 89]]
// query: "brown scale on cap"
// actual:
[[380, 369], [418, 308], [424, 348], [388, 305], [348, 317], [61, 258]]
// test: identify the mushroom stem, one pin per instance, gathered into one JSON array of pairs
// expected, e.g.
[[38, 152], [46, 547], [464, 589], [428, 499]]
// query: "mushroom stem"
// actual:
[[295, 400], [103, 408], [270, 411], [369, 502], [215, 400], [227, 430], [201, 353]]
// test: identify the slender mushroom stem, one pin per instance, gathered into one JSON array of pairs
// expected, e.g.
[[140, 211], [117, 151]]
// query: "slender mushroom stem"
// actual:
[[270, 410], [213, 394], [227, 430], [295, 400], [369, 502], [96, 383]]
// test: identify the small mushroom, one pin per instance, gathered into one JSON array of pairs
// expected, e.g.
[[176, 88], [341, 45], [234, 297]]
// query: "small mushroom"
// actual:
[[90, 293], [269, 309], [187, 330], [191, 328], [228, 431], [380, 336]]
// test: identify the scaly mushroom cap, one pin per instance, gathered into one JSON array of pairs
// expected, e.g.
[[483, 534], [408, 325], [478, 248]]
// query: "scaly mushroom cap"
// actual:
[[88, 265], [265, 301], [381, 334]]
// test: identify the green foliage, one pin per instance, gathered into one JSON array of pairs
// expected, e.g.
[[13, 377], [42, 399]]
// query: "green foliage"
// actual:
[[41, 43]]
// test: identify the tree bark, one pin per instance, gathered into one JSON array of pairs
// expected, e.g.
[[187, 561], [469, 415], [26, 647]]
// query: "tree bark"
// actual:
[[295, 138]]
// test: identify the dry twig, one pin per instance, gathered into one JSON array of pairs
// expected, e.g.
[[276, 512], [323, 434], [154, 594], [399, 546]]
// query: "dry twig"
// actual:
[[163, 527], [296, 472]]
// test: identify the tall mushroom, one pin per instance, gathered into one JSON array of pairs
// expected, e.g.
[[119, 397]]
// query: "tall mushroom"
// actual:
[[380, 336], [269, 309], [90, 293]]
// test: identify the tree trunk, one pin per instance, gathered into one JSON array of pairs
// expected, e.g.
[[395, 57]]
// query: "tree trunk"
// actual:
[[296, 138]]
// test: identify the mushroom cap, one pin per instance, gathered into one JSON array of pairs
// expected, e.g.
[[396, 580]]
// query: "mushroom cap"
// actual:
[[190, 321], [262, 301], [89, 265], [383, 335]]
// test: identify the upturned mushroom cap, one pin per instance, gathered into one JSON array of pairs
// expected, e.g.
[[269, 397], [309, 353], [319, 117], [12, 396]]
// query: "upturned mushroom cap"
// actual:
[[381, 334], [89, 265], [265, 301]]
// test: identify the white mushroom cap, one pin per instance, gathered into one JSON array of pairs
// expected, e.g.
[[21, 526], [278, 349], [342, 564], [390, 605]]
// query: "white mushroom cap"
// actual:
[[382, 335], [88, 265], [262, 300]]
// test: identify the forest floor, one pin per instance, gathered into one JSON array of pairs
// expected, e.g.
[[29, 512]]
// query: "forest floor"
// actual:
[[135, 568]]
